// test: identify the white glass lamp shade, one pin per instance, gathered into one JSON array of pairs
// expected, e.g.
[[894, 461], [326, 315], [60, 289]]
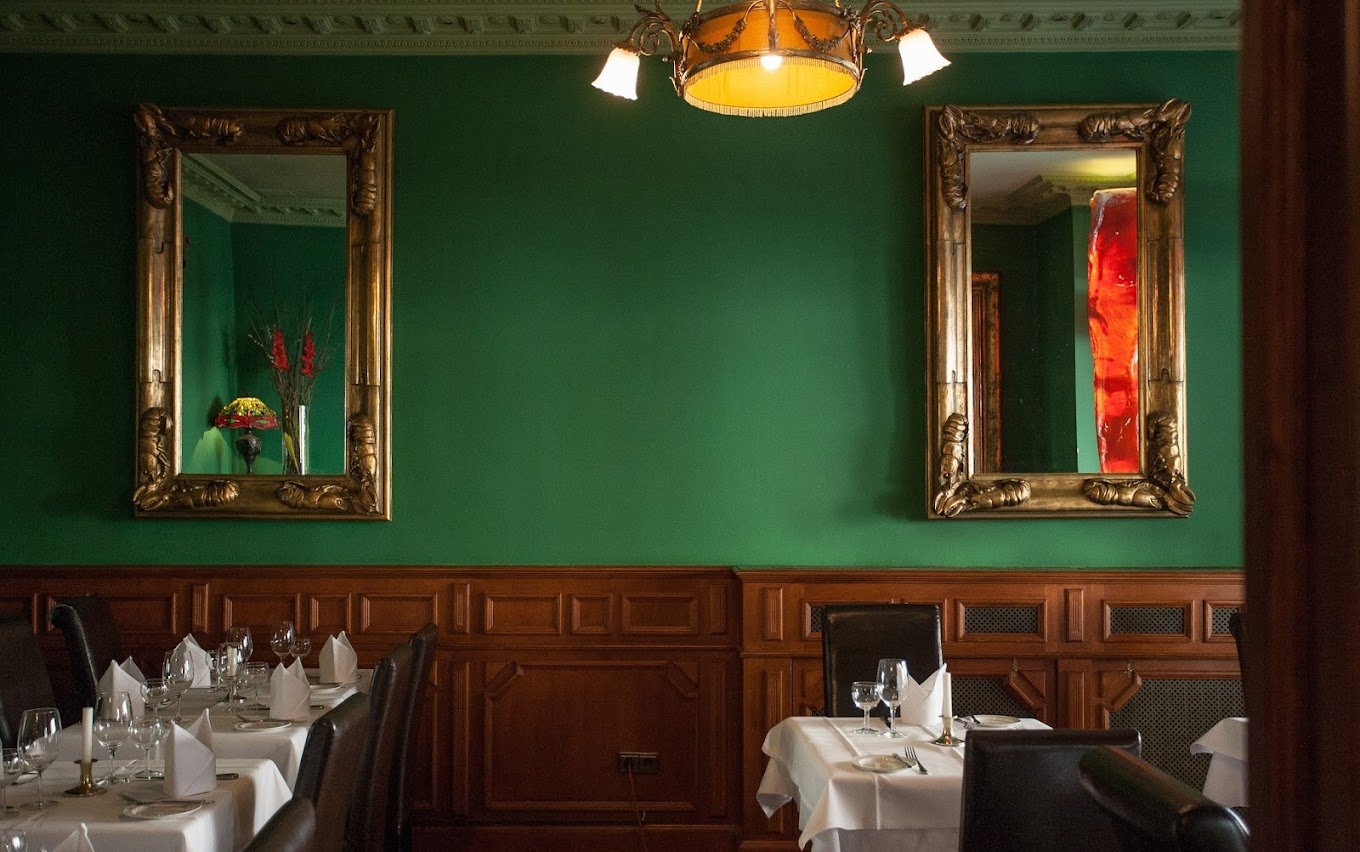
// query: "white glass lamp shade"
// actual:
[[919, 56], [620, 74]]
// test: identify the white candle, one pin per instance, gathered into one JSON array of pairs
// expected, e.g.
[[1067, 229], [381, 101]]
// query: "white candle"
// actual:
[[948, 700], [86, 734], [231, 661]]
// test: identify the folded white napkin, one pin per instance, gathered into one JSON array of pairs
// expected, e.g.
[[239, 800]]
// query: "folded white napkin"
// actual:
[[76, 841], [202, 669], [338, 660], [923, 702], [119, 679], [289, 695], [190, 765], [130, 666]]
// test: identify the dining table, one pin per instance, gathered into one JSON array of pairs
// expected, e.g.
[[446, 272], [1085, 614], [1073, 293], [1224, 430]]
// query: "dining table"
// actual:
[[844, 808], [236, 730], [1226, 743], [227, 818]]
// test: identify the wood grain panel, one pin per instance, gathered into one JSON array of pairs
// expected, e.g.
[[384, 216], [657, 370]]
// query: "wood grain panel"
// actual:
[[673, 614], [21, 606], [591, 614], [137, 615], [259, 611], [396, 614], [526, 615], [595, 715], [328, 614]]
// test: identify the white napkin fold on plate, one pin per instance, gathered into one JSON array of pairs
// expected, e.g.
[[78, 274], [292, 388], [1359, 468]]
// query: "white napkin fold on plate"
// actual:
[[290, 697], [338, 660], [202, 669], [130, 666], [118, 679], [923, 702], [76, 841], [190, 764]]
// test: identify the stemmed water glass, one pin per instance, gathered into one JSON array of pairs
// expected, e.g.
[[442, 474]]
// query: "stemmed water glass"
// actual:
[[179, 674], [302, 646], [240, 637], [890, 674], [38, 729], [866, 695], [145, 733], [112, 717], [282, 640], [257, 683], [11, 767], [231, 671]]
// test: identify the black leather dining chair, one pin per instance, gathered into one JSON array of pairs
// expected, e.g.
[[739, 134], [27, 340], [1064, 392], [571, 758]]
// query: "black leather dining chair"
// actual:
[[24, 683], [292, 828], [329, 769], [92, 642], [367, 829], [1151, 810], [856, 636], [423, 643], [1022, 791]]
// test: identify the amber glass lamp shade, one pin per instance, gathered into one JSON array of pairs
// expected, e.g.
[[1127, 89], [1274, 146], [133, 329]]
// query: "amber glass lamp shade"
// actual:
[[771, 71], [248, 413]]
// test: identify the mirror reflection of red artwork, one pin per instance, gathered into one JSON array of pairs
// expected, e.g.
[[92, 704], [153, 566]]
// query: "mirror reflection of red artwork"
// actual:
[[1112, 317]]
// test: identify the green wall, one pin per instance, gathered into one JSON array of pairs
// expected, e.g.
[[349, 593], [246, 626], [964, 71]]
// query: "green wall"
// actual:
[[625, 333], [208, 351]]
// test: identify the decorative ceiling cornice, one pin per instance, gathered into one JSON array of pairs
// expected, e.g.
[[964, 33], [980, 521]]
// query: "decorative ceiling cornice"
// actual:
[[235, 202], [1043, 197], [444, 27]]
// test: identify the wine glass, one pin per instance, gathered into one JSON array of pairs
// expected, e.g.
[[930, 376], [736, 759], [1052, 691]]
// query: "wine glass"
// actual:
[[38, 729], [257, 683], [12, 840], [231, 671], [179, 673], [158, 693], [890, 672], [144, 731], [282, 640], [112, 716], [240, 637], [11, 767], [866, 694], [302, 646]]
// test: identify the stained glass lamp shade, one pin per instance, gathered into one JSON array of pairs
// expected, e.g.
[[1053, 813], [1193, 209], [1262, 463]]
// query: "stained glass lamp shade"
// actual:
[[248, 413]]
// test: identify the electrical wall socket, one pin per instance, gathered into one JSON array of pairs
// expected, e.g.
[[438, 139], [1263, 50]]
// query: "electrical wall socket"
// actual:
[[641, 762]]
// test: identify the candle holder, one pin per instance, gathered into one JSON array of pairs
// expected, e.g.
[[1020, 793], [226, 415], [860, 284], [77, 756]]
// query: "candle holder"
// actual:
[[947, 738], [86, 787]]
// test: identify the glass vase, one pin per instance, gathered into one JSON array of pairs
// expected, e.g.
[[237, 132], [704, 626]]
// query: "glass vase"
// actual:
[[295, 440]]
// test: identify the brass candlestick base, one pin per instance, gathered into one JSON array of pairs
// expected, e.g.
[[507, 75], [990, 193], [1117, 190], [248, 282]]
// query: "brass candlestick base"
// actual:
[[947, 738], [86, 787]]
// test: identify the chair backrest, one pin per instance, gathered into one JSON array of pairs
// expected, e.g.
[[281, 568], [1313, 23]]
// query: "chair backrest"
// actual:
[[1022, 791], [422, 643], [24, 683], [856, 636], [368, 815], [330, 767], [92, 642], [292, 828], [1151, 810]]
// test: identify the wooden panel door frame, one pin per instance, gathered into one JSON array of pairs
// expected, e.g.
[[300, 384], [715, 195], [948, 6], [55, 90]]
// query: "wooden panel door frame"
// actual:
[[1301, 305]]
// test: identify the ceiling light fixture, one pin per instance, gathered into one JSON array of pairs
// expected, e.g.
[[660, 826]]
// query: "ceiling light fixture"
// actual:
[[768, 57]]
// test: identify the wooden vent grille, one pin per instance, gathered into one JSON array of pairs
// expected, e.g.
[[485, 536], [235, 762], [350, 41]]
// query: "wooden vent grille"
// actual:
[[1218, 625], [815, 618], [986, 695], [1001, 619], [1168, 620], [1173, 713]]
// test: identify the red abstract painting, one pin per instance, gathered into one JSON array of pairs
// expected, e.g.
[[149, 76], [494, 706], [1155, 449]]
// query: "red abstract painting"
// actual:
[[1112, 318]]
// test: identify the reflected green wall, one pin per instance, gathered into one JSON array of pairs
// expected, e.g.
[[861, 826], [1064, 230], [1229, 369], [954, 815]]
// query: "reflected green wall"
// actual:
[[208, 362], [624, 332]]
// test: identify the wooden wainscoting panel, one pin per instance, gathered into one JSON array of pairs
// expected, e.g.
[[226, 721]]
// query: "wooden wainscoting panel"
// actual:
[[23, 606], [396, 614], [328, 614], [526, 615], [585, 713], [259, 611], [138, 615], [661, 614], [592, 615]]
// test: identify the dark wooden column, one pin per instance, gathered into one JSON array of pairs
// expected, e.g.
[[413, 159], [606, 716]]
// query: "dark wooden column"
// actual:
[[1300, 98]]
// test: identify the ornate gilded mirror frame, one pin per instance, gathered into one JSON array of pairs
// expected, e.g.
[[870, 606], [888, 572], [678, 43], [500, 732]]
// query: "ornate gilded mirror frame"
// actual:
[[365, 139], [956, 486]]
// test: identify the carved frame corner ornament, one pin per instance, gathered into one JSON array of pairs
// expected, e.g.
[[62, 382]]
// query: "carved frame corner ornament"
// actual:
[[958, 485], [954, 492], [161, 489]]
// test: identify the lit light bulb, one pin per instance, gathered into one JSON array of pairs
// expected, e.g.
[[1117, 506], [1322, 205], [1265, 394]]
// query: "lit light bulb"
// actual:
[[771, 61], [620, 73]]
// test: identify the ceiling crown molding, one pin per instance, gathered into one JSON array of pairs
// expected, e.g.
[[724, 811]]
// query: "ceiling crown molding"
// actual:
[[451, 27], [237, 203]]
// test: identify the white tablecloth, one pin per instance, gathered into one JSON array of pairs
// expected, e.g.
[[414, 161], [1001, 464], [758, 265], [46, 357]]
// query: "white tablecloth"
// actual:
[[281, 745], [845, 809], [1226, 782], [236, 811]]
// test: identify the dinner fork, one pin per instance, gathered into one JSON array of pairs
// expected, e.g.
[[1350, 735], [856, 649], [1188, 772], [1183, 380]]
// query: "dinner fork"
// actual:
[[911, 757]]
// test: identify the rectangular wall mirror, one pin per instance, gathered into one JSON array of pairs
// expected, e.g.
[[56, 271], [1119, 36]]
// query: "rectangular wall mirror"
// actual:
[[1055, 311], [264, 291]]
